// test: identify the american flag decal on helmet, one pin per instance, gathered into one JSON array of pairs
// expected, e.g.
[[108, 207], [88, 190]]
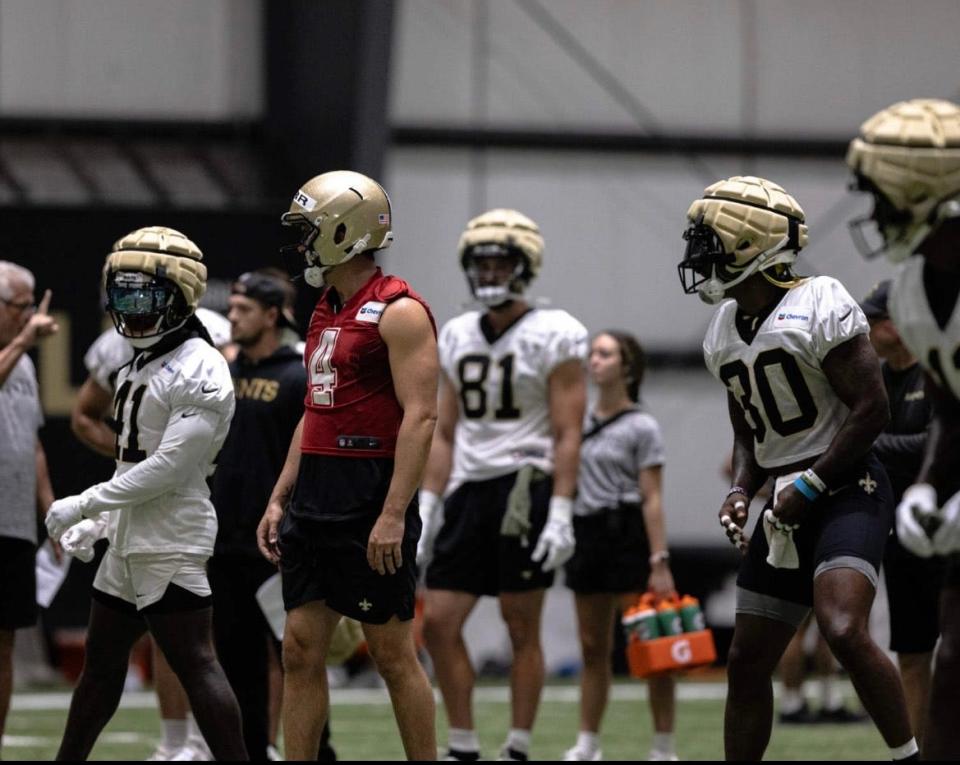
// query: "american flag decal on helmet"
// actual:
[[383, 219]]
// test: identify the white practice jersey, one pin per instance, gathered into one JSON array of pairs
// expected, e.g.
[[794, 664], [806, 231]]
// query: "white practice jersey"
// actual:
[[778, 378], [937, 349], [501, 385], [173, 412], [111, 350]]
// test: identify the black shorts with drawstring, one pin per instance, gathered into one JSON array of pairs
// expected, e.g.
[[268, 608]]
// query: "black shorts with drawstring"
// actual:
[[472, 554]]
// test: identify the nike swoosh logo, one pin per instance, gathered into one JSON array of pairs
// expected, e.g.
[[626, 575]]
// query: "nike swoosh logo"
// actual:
[[209, 388], [188, 414], [846, 314]]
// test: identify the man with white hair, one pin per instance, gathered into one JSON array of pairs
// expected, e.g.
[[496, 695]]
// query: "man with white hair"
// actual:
[[24, 481]]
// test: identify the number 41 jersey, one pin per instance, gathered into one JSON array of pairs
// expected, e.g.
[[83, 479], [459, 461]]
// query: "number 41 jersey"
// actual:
[[777, 377], [502, 387], [161, 492]]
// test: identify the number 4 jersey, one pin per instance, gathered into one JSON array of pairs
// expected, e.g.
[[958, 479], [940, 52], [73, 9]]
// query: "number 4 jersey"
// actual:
[[777, 377], [501, 383], [351, 407], [173, 408]]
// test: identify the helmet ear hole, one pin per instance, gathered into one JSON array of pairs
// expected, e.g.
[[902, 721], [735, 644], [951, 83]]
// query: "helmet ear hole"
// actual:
[[744, 245], [340, 234]]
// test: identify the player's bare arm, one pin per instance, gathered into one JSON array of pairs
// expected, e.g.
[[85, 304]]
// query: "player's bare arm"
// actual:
[[567, 393], [854, 374], [748, 476], [267, 530], [87, 418], [408, 333], [440, 463]]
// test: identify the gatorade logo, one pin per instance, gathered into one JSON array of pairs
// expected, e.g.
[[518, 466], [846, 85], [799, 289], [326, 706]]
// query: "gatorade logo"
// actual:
[[681, 652]]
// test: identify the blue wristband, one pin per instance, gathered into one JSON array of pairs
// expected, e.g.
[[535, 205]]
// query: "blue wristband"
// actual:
[[806, 489]]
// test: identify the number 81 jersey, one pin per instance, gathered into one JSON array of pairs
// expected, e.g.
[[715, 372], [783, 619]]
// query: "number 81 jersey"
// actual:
[[502, 387], [777, 378]]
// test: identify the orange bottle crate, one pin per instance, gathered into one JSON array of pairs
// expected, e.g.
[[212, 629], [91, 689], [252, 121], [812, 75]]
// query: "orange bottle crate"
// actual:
[[688, 649]]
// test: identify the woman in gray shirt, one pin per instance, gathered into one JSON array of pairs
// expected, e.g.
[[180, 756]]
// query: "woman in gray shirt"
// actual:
[[621, 540]]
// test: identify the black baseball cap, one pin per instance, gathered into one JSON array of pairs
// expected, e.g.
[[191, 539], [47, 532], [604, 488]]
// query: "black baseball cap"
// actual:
[[874, 305], [269, 290]]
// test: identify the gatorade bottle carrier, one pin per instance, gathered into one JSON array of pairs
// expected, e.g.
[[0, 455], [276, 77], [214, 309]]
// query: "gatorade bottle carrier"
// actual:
[[674, 651]]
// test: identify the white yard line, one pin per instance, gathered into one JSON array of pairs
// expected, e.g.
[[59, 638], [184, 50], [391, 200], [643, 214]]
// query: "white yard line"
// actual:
[[568, 694]]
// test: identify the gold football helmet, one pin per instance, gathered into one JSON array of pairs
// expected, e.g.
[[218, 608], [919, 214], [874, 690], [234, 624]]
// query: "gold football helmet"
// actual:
[[908, 157], [154, 281], [501, 233], [340, 215], [740, 226]]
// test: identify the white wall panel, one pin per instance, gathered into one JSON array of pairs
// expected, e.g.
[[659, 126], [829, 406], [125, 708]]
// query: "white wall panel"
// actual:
[[131, 59], [724, 66]]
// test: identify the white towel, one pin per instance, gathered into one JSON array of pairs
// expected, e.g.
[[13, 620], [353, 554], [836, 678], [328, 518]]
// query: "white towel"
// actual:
[[783, 550]]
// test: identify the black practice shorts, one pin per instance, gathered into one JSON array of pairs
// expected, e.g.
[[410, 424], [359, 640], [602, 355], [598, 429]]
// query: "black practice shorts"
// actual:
[[18, 583], [612, 553], [471, 554], [913, 596], [845, 529], [326, 559]]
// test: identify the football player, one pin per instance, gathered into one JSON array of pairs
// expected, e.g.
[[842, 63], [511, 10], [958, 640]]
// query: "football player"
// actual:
[[908, 158], [505, 455], [342, 520], [806, 401], [173, 404], [91, 422]]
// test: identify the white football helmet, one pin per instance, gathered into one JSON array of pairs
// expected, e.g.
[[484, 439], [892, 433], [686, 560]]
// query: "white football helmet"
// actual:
[[740, 226], [340, 215], [501, 233], [153, 281], [908, 157]]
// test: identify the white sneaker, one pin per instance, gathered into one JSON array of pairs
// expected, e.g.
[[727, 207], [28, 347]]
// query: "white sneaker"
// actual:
[[658, 756], [163, 753], [195, 750], [573, 753]]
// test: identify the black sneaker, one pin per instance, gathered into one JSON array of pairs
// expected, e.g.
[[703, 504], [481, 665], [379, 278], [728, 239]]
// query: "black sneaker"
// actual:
[[801, 716], [841, 716], [508, 753], [461, 755]]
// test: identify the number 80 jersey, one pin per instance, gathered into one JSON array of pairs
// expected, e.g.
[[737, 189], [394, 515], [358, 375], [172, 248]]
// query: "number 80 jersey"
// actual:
[[778, 378], [501, 385]]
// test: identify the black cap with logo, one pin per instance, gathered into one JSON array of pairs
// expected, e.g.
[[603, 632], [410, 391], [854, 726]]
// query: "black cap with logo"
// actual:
[[271, 291]]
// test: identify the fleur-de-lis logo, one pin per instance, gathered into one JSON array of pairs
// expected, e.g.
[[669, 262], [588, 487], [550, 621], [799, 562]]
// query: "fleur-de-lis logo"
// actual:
[[868, 484], [365, 605]]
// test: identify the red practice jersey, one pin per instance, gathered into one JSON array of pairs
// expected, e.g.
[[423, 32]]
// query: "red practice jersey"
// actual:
[[351, 407]]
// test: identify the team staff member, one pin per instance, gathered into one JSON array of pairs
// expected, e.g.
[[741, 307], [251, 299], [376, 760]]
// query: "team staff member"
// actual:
[[621, 536], [913, 583], [24, 480], [806, 402], [269, 383], [347, 542]]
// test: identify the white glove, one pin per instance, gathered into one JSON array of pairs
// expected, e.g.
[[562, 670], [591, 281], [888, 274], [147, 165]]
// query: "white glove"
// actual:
[[946, 539], [63, 514], [432, 521], [916, 514], [556, 543], [79, 539]]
